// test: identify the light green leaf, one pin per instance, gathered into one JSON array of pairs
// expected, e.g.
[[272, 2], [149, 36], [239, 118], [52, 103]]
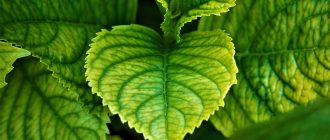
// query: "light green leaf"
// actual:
[[163, 91], [179, 12], [8, 55], [59, 31], [283, 55], [307, 123], [31, 110]]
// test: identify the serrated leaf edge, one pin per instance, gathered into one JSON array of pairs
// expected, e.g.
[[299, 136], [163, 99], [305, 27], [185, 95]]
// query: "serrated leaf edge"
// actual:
[[95, 91], [27, 53], [188, 19]]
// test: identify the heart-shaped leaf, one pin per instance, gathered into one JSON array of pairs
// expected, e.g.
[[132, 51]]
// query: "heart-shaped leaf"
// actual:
[[162, 90]]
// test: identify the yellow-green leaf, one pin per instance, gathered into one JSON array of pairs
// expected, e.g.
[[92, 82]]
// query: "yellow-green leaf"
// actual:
[[179, 12], [8, 55], [162, 90]]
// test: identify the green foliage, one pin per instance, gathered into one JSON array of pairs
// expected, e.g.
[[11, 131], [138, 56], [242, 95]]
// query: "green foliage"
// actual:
[[8, 55], [283, 55], [92, 59], [180, 12], [31, 110], [59, 31], [310, 122], [163, 91]]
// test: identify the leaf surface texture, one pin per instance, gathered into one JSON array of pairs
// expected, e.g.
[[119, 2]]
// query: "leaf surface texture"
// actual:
[[311, 122], [59, 31], [283, 54], [163, 91], [31, 110], [179, 12], [8, 55]]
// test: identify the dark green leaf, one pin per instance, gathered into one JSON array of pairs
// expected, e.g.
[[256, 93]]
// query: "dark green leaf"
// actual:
[[304, 123], [35, 106], [283, 55], [59, 31]]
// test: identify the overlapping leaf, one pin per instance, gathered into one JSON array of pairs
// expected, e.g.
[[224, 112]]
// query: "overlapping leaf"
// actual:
[[283, 57], [8, 55], [163, 91], [179, 12], [35, 106], [59, 31], [307, 123]]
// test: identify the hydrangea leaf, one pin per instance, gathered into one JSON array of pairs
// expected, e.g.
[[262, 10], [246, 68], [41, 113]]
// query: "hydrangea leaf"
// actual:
[[8, 55], [59, 31], [179, 12], [31, 110], [283, 54], [164, 91], [304, 123]]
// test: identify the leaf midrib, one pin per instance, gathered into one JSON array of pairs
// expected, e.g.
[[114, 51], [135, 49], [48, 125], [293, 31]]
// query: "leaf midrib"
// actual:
[[165, 53]]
